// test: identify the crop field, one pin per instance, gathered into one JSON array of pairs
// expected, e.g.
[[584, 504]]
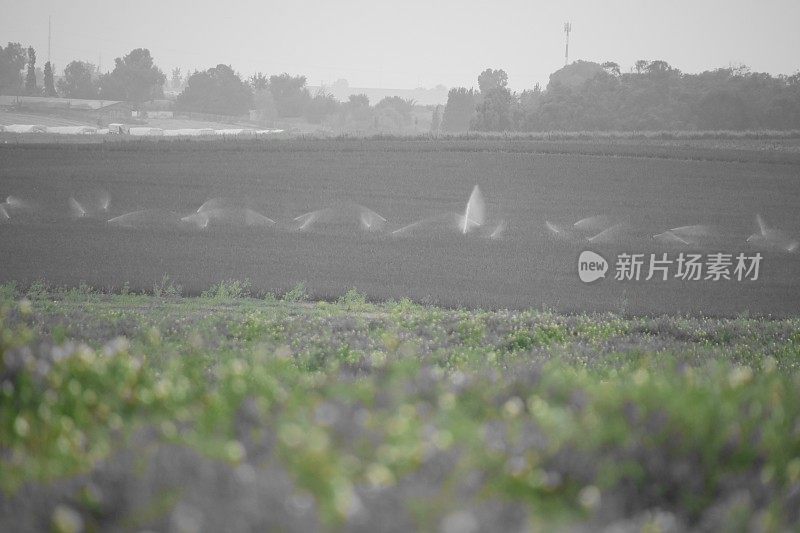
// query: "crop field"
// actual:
[[155, 412], [392, 335], [648, 186]]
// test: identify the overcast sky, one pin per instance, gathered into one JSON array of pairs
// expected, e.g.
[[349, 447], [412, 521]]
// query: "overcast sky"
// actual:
[[411, 43]]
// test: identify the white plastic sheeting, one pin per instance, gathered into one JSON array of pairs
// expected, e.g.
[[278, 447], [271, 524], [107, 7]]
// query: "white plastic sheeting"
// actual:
[[144, 131], [72, 130], [188, 132], [141, 131], [235, 131], [26, 128]]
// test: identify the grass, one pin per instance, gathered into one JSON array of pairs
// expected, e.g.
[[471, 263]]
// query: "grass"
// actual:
[[133, 410]]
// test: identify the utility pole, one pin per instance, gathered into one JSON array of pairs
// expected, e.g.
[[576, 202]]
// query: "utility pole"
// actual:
[[567, 29]]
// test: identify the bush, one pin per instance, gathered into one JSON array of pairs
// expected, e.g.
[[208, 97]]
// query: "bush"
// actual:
[[296, 294], [228, 290], [353, 300], [166, 288]]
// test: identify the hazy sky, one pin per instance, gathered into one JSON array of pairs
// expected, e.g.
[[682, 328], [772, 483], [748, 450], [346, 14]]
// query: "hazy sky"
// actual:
[[411, 43]]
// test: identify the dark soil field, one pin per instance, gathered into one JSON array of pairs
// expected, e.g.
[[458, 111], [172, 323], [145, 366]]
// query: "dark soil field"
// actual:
[[650, 187]]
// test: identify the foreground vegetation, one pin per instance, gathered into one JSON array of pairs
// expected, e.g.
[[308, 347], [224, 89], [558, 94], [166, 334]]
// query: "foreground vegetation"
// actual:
[[230, 412]]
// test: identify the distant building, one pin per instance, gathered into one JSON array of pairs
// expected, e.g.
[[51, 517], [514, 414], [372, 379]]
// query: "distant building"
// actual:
[[95, 110]]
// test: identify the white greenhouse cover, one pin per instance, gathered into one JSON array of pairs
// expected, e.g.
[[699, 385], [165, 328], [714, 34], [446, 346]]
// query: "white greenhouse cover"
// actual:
[[144, 131], [26, 128], [72, 130], [189, 132], [235, 131]]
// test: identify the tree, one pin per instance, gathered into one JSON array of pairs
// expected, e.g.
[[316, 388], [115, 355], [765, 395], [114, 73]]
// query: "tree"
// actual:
[[494, 111], [436, 120], [176, 81], [525, 108], [640, 66], [135, 78], [611, 68], [321, 106], [358, 109], [49, 87], [264, 104], [78, 81], [30, 77], [492, 79], [259, 81], [355, 115], [358, 100], [658, 67], [394, 114], [459, 111], [404, 106], [291, 94], [575, 74], [12, 61], [218, 90]]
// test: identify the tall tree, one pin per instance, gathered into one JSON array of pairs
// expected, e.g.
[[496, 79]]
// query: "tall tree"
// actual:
[[291, 94], [611, 68], [459, 111], [658, 67], [640, 66], [436, 120], [176, 81], [492, 79], [259, 81], [135, 78], [493, 113], [264, 104], [218, 90], [49, 86], [494, 109], [78, 81], [30, 77], [12, 60]]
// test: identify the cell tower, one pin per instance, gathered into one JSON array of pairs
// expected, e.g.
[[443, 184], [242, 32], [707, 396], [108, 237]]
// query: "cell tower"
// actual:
[[567, 29]]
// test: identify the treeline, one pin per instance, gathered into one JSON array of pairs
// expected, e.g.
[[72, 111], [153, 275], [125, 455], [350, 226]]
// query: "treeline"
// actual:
[[218, 90], [135, 77], [583, 96], [653, 96]]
